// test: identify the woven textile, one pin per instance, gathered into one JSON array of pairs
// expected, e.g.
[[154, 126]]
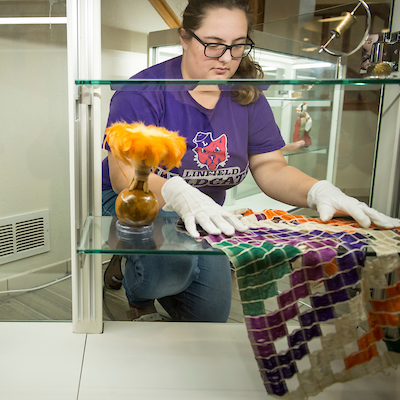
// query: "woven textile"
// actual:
[[317, 307]]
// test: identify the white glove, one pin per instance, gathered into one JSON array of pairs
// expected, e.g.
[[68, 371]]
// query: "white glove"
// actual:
[[196, 207], [328, 200]]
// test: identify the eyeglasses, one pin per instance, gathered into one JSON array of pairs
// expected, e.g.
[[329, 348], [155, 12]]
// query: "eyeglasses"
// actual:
[[216, 50]]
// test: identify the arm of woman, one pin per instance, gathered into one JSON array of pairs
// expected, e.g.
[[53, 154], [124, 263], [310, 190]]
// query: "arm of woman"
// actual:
[[279, 180], [122, 174], [289, 185]]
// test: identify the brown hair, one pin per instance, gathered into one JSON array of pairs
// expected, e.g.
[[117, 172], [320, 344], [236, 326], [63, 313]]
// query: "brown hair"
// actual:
[[192, 19]]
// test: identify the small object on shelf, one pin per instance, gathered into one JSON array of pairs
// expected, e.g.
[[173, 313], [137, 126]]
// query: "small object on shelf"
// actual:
[[144, 147], [384, 54], [303, 125], [346, 21], [137, 206], [381, 69]]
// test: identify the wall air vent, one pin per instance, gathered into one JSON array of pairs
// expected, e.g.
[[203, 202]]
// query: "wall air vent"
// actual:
[[24, 236]]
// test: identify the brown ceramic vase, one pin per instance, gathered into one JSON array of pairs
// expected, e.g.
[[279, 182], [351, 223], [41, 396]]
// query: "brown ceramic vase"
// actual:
[[137, 206]]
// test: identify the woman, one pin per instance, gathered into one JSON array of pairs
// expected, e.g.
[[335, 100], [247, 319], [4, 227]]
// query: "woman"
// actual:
[[227, 134]]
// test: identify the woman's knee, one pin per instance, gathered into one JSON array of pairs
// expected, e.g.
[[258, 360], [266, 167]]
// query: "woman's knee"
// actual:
[[183, 269], [160, 276], [177, 274]]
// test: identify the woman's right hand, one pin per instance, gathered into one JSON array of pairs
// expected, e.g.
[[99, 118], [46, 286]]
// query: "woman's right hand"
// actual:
[[195, 207]]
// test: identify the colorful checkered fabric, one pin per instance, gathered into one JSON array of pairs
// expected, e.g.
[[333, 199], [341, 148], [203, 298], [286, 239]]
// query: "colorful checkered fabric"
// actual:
[[317, 307]]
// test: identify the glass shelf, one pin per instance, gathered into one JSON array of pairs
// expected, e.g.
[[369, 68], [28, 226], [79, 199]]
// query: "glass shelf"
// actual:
[[296, 99], [100, 236], [187, 84], [303, 150]]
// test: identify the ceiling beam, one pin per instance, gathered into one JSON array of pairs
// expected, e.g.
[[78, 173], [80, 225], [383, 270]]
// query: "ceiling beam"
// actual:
[[258, 7], [166, 13]]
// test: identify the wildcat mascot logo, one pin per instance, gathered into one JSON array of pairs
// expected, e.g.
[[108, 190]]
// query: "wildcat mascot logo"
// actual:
[[210, 153]]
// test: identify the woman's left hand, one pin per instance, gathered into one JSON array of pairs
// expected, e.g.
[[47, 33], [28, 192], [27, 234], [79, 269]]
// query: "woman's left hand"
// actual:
[[329, 200]]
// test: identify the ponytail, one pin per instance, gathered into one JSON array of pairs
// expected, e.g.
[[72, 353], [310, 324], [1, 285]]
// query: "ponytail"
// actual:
[[247, 94]]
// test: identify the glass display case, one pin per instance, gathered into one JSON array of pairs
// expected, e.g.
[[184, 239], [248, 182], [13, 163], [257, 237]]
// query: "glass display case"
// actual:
[[33, 47], [345, 135], [93, 230]]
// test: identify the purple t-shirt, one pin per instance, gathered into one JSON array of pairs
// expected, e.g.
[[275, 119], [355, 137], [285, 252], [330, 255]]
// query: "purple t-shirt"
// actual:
[[218, 140]]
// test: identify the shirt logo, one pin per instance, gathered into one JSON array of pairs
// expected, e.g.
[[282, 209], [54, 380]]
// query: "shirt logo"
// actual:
[[210, 153]]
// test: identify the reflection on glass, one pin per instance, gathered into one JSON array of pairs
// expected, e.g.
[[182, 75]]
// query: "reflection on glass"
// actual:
[[34, 161], [44, 8], [100, 235]]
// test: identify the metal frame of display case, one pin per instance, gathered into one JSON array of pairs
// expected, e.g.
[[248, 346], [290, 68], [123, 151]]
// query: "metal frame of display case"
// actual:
[[84, 59], [385, 195]]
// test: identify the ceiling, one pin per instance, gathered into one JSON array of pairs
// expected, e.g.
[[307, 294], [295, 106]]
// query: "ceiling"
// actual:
[[132, 15], [137, 15], [140, 16]]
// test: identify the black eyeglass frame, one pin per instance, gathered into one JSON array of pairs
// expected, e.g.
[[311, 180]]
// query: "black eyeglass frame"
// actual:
[[227, 47]]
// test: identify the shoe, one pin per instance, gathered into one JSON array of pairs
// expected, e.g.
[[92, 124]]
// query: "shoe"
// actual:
[[148, 314], [113, 274]]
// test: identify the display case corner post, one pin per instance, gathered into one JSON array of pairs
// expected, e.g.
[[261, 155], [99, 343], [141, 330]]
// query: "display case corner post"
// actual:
[[84, 63], [385, 190]]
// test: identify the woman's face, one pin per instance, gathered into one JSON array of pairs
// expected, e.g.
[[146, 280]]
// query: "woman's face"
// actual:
[[220, 25]]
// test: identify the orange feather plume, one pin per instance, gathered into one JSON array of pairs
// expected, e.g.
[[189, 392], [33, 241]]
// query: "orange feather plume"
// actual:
[[148, 143]]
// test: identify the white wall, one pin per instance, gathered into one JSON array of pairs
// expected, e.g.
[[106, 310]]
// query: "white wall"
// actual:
[[34, 172], [124, 53], [34, 161]]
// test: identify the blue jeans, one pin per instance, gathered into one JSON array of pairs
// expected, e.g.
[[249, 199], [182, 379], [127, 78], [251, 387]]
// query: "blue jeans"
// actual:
[[189, 287]]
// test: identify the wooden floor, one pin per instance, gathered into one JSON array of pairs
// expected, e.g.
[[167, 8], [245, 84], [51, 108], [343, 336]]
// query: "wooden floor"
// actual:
[[54, 303]]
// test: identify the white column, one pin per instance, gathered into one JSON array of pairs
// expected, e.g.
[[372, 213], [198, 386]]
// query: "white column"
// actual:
[[84, 62], [385, 194]]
